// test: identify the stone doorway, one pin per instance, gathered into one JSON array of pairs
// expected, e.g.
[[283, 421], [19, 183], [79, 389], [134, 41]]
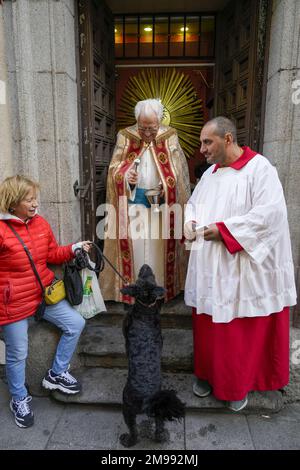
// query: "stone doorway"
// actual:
[[229, 79]]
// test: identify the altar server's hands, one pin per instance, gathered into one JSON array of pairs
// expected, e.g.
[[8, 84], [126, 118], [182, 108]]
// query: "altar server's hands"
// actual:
[[189, 230], [211, 233]]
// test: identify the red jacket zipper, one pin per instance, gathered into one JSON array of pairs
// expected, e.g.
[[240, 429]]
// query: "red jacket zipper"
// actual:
[[6, 299]]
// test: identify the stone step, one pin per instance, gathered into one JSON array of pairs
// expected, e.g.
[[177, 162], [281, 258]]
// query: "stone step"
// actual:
[[105, 386], [174, 314], [102, 346]]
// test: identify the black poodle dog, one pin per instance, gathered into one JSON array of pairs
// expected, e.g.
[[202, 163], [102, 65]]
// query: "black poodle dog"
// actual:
[[142, 392]]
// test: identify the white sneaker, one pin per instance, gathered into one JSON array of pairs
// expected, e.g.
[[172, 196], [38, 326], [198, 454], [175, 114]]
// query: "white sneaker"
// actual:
[[63, 382], [238, 405], [201, 388], [22, 411]]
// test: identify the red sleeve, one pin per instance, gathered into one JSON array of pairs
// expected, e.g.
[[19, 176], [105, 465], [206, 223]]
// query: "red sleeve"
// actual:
[[230, 242], [58, 254]]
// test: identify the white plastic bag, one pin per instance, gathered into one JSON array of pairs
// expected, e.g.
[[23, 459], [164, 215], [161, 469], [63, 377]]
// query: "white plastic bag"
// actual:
[[92, 302]]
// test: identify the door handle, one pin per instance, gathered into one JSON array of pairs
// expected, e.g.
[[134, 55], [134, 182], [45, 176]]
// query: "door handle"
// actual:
[[81, 189]]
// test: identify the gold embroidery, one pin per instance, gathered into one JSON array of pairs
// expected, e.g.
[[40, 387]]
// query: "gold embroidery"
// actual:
[[171, 182], [119, 178], [125, 255], [130, 133], [162, 157], [132, 156], [165, 135]]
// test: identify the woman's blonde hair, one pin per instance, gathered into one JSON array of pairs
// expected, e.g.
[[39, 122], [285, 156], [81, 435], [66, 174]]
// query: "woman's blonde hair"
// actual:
[[13, 190]]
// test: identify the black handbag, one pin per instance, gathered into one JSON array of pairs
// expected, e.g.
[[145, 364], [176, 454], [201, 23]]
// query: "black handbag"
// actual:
[[73, 284], [72, 277], [39, 313]]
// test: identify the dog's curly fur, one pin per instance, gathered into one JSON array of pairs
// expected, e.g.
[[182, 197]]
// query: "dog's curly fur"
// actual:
[[142, 392]]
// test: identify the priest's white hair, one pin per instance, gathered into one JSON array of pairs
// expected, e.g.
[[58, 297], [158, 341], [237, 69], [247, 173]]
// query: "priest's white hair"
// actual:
[[149, 107]]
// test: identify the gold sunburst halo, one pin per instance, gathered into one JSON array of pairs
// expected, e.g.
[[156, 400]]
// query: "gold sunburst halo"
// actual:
[[183, 110]]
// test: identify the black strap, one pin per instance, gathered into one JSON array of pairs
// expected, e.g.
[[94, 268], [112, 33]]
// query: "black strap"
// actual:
[[82, 261], [28, 254], [111, 265]]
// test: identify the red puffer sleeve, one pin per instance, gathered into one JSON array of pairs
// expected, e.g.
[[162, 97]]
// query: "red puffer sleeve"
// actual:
[[58, 254]]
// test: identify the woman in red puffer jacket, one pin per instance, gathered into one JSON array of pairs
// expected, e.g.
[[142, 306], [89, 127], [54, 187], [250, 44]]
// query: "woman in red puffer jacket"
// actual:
[[20, 293]]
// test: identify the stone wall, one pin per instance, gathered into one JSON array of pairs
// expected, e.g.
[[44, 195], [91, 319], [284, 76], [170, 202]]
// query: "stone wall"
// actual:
[[282, 121], [40, 59], [6, 164], [282, 141]]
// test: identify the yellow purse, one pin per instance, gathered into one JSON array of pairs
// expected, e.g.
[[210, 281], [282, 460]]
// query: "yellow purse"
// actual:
[[55, 293]]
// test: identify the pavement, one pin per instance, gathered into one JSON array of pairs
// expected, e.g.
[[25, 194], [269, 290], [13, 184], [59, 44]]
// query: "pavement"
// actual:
[[68, 426]]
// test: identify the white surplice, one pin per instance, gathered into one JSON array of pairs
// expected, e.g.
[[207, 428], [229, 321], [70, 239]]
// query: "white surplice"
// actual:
[[254, 282], [147, 242]]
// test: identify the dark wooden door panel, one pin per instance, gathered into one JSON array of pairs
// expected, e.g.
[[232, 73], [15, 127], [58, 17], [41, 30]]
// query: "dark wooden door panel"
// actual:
[[242, 29], [97, 82]]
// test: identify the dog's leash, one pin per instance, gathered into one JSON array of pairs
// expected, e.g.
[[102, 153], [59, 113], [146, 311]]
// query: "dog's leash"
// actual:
[[82, 261], [111, 265]]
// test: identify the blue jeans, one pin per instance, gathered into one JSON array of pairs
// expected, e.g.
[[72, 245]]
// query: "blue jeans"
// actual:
[[64, 317]]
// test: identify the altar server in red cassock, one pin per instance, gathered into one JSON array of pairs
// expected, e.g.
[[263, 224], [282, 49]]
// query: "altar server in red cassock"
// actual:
[[240, 279]]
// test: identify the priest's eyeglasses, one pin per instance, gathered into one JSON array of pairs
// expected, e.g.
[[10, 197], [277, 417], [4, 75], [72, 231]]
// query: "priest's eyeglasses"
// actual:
[[151, 130]]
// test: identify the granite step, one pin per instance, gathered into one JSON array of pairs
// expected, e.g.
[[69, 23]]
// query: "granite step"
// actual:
[[104, 346], [174, 314], [104, 386]]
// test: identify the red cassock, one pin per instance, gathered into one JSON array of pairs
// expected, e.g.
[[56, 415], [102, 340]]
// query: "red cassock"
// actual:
[[244, 354]]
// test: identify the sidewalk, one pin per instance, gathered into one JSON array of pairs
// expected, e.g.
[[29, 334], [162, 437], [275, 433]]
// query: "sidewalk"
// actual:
[[61, 426]]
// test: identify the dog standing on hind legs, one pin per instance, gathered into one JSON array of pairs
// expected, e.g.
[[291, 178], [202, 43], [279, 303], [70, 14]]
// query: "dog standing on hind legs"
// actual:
[[142, 392]]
